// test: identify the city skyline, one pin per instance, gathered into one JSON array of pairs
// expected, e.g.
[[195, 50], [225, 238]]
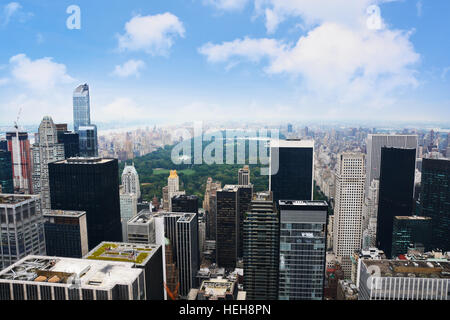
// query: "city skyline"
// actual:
[[248, 57]]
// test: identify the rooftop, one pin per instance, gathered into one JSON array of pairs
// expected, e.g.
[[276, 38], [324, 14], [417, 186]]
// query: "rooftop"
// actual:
[[13, 199], [138, 254], [143, 217], [59, 213], [292, 143], [217, 287], [89, 273], [302, 203], [79, 160], [411, 269], [412, 218]]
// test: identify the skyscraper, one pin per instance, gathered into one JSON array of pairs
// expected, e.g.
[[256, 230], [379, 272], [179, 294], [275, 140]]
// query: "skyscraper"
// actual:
[[347, 224], [22, 228], [303, 237], [244, 176], [291, 168], [91, 185], [374, 144], [130, 180], [370, 212], [65, 233], [261, 248], [435, 199], [397, 169], [184, 203], [232, 203], [210, 206], [70, 140], [88, 140], [46, 149], [410, 231], [172, 190], [6, 176], [19, 146], [81, 107]]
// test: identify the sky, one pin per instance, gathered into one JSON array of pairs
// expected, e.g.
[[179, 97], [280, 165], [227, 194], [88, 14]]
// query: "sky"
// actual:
[[265, 60]]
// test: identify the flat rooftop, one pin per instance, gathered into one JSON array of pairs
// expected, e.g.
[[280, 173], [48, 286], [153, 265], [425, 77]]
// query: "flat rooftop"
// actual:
[[134, 253], [217, 287], [91, 273], [302, 203], [63, 213], [143, 217], [412, 218], [411, 269], [13, 199], [88, 160], [292, 143]]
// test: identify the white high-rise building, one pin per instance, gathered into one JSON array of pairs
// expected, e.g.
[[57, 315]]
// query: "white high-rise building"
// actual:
[[173, 189], [244, 176], [347, 233], [46, 149], [130, 180], [374, 144], [128, 210]]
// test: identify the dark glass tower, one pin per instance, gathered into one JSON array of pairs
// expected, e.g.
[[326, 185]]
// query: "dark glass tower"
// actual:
[[91, 185], [435, 200], [6, 175], [261, 249], [410, 231], [226, 227], [396, 193], [291, 163], [183, 203], [303, 241]]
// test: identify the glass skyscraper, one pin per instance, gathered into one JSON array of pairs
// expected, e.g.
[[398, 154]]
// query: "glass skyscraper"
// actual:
[[88, 141], [81, 107], [303, 238], [435, 199], [410, 231], [6, 176], [396, 192], [291, 168]]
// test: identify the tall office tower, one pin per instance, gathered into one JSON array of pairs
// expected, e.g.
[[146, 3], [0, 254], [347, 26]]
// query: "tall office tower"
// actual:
[[261, 249], [184, 203], [141, 228], [403, 280], [232, 203], [370, 212], [128, 210], [19, 146], [244, 176], [350, 177], [88, 141], [6, 174], [165, 198], [291, 168], [91, 185], [147, 257], [182, 231], [172, 190], [46, 149], [374, 144], [411, 231], [70, 140], [65, 233], [209, 205], [50, 278], [435, 199], [22, 228], [397, 168], [81, 107], [303, 237], [130, 180], [171, 279]]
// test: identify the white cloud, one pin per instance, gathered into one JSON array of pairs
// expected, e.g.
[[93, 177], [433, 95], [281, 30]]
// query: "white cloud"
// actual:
[[337, 64], [9, 10], [227, 5], [129, 68], [152, 34], [419, 7], [40, 74]]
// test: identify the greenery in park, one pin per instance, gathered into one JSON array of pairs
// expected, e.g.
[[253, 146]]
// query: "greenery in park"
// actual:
[[154, 169]]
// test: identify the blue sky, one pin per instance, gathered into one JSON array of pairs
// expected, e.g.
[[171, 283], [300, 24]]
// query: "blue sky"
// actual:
[[172, 61]]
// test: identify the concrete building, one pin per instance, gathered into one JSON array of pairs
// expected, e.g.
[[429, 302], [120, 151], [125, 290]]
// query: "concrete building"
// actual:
[[141, 228], [130, 181], [142, 256], [403, 280], [244, 176], [128, 210], [51, 278], [217, 289], [65, 233], [22, 228], [347, 234]]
